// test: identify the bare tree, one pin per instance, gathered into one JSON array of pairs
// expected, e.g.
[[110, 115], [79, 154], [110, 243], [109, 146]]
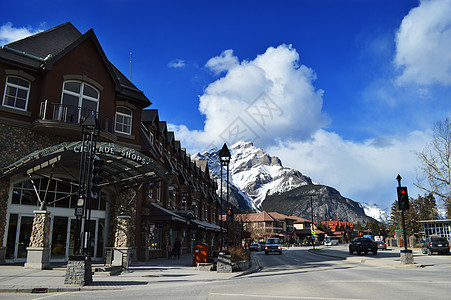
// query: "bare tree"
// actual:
[[435, 167]]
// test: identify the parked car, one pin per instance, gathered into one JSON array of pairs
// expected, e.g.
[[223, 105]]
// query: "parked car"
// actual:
[[436, 244], [331, 241], [381, 245], [255, 247], [364, 245], [273, 245]]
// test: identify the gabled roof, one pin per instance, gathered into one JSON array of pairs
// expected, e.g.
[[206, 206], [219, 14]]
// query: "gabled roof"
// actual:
[[170, 136], [280, 216], [49, 42], [162, 127], [299, 219], [149, 116], [256, 217], [42, 50]]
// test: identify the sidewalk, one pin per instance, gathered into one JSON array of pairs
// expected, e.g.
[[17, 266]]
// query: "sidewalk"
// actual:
[[15, 278], [388, 258]]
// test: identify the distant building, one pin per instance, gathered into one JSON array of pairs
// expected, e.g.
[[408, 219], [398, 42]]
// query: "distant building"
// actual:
[[437, 227]]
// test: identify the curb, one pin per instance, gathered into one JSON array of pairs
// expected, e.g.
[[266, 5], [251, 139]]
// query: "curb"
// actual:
[[256, 267]]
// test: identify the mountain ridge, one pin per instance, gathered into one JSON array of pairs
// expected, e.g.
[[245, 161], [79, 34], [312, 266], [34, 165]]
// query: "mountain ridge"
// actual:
[[259, 181]]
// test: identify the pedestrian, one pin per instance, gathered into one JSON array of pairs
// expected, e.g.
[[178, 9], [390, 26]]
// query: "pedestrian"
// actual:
[[177, 248], [169, 249]]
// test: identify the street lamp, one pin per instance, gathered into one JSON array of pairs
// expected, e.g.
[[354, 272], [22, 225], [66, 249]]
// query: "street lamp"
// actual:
[[90, 131], [224, 157], [79, 269]]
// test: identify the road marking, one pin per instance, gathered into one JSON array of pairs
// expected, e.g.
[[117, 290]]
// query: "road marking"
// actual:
[[281, 297]]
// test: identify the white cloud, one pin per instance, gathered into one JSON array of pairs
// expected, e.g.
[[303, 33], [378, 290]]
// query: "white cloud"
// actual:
[[223, 62], [10, 34], [267, 99], [364, 171], [423, 44], [176, 63]]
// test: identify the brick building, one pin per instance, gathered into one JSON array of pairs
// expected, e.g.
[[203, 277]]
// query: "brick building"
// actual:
[[51, 83]]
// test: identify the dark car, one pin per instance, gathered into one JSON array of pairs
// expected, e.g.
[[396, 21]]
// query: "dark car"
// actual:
[[364, 245], [436, 244], [255, 247], [273, 245], [381, 245]]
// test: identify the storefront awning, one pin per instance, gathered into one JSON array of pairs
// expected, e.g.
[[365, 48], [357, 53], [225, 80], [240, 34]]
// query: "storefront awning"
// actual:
[[206, 225], [124, 167], [158, 213]]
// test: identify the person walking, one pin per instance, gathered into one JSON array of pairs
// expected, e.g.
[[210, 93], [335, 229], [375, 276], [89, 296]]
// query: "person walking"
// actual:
[[169, 249], [177, 248]]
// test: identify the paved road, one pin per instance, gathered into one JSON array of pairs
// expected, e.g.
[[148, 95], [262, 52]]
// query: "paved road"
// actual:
[[301, 274]]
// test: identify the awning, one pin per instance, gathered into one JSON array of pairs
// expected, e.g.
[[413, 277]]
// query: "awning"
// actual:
[[158, 213], [124, 167], [206, 225]]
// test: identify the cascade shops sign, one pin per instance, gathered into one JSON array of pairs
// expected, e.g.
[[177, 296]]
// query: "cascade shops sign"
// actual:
[[112, 150]]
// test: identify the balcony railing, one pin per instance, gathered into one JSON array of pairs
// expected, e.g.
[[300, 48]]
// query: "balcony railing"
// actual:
[[73, 115]]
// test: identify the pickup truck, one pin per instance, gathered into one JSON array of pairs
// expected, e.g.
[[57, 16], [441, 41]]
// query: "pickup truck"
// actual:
[[364, 245]]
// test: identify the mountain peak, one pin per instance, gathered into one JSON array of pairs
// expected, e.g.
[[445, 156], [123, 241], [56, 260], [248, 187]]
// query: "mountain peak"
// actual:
[[255, 173]]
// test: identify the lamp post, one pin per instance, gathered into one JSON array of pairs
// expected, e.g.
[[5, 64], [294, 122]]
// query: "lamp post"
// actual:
[[90, 131], [79, 269], [224, 157]]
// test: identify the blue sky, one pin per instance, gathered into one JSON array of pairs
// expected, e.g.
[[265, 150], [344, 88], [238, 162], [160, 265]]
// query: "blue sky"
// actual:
[[346, 91]]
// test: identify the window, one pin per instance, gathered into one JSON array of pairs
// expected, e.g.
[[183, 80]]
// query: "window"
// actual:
[[155, 237], [123, 120], [59, 194], [16, 94], [79, 100]]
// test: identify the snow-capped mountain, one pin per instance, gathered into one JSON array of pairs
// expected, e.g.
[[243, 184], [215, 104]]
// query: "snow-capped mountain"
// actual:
[[376, 213], [259, 181], [255, 173]]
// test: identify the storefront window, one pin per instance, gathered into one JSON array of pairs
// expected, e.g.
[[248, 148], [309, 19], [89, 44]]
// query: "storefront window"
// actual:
[[155, 237], [26, 225], [100, 238], [59, 237], [11, 240]]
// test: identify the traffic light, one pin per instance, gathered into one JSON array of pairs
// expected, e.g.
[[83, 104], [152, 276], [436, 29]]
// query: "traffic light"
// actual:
[[403, 198], [229, 214], [96, 178]]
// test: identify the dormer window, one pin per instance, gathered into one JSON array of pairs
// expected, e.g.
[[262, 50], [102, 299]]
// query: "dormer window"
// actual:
[[123, 120], [16, 94]]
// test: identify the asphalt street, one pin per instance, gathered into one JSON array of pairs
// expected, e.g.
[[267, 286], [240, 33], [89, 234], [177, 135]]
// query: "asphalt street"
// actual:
[[299, 273]]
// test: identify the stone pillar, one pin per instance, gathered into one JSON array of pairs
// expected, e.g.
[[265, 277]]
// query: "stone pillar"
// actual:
[[407, 257], [224, 262], [122, 250], [38, 251], [79, 271]]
